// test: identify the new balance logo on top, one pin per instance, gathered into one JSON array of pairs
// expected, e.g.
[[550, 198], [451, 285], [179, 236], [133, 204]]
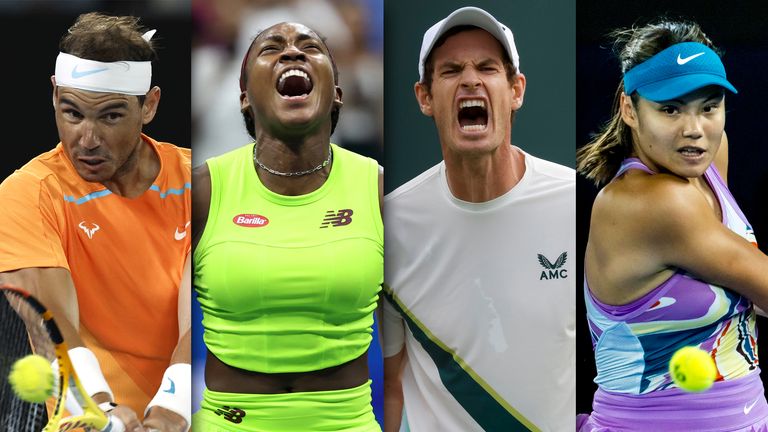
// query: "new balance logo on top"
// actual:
[[88, 231], [235, 415], [337, 218], [551, 270]]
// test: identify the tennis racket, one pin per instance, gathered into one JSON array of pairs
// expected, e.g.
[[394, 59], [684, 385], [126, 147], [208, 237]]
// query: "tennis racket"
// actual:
[[47, 341]]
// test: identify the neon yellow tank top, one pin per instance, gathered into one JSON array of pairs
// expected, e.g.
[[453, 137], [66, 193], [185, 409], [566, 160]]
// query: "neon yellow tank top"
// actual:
[[289, 283]]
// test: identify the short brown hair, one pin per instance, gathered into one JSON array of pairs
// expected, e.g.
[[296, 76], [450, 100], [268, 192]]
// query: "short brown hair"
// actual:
[[99, 37]]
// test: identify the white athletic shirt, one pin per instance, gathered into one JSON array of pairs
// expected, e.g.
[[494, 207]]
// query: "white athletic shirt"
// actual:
[[482, 295]]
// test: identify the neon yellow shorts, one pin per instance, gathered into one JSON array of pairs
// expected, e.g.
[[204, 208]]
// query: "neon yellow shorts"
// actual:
[[347, 410]]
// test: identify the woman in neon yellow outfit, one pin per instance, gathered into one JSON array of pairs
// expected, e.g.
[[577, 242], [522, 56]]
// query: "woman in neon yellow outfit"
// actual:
[[288, 253]]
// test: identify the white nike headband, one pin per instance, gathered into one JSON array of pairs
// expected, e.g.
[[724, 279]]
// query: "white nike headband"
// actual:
[[125, 77]]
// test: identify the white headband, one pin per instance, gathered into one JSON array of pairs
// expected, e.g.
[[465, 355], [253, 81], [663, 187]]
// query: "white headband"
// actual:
[[125, 77]]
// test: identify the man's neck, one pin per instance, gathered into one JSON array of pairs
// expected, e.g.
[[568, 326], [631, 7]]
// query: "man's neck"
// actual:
[[137, 174], [482, 178]]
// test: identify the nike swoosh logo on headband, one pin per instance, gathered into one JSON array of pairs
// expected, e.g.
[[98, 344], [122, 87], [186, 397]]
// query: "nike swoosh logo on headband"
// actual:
[[682, 61], [79, 74]]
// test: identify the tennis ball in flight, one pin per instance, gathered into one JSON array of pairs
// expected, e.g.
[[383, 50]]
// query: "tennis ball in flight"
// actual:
[[32, 379], [692, 369]]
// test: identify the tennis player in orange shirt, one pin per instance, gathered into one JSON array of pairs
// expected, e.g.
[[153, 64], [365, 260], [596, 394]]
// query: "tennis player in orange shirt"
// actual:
[[97, 228]]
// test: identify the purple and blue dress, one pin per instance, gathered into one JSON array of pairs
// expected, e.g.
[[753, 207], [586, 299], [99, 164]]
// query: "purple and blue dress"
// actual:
[[633, 344]]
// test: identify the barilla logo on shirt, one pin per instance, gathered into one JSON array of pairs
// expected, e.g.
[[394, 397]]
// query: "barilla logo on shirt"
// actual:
[[250, 220]]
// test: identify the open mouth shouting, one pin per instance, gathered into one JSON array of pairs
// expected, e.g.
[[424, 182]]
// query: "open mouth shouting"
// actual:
[[473, 115], [294, 83]]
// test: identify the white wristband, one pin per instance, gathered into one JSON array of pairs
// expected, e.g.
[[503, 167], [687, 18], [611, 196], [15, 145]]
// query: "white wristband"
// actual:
[[175, 392], [88, 370]]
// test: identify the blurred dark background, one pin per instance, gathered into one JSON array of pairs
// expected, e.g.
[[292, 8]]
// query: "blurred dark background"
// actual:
[[32, 29], [738, 29]]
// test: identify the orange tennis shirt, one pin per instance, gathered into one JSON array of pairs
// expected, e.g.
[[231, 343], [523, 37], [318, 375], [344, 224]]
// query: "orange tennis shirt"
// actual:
[[125, 256]]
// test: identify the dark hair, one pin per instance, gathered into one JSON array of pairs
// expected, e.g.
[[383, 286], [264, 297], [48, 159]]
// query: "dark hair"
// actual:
[[600, 159], [429, 62], [248, 119], [99, 37]]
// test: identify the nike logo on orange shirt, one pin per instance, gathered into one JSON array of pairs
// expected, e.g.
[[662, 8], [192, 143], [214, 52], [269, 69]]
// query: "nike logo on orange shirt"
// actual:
[[180, 235]]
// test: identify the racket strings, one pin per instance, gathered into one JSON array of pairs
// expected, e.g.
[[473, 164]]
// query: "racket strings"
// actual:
[[16, 414], [37, 332]]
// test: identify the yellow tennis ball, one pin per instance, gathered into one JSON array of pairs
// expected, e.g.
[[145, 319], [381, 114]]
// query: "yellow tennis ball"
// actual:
[[692, 369], [32, 378]]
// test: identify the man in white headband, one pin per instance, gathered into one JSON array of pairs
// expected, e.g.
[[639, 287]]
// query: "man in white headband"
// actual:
[[479, 288], [97, 228]]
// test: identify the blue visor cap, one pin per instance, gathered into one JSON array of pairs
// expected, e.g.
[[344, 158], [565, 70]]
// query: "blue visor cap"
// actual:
[[676, 71]]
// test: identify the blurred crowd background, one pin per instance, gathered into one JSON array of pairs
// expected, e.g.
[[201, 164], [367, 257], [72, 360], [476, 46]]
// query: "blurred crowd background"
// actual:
[[223, 31]]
